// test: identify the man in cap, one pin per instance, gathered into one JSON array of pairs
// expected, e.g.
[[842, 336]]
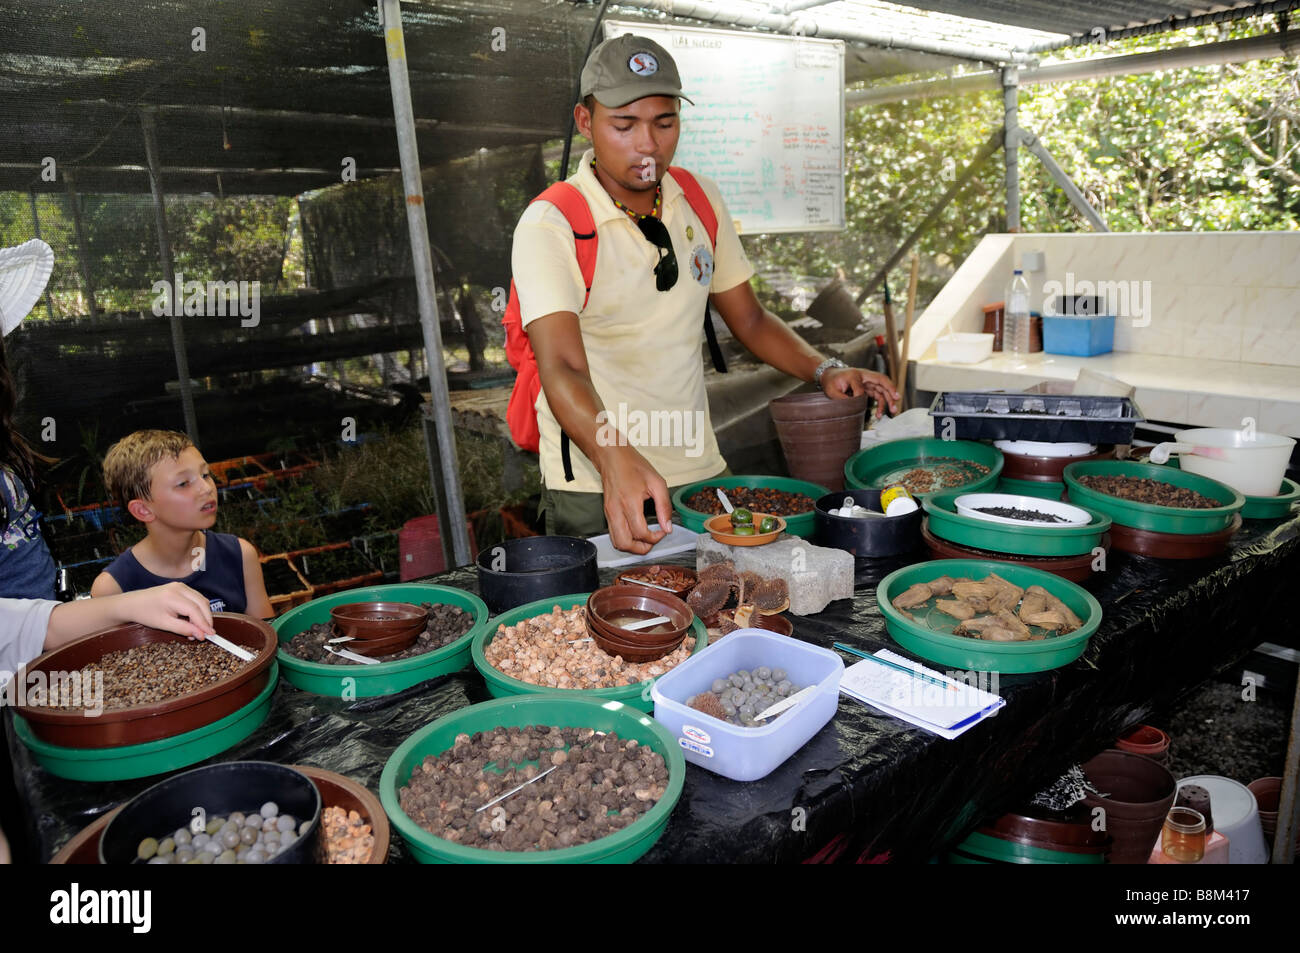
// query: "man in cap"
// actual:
[[622, 375]]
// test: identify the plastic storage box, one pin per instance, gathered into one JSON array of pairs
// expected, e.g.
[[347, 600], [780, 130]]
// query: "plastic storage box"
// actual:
[[1050, 418], [1080, 335], [747, 754]]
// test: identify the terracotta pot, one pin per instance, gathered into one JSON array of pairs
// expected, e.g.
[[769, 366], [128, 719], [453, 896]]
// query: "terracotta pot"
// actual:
[[1141, 793], [1268, 792], [818, 434], [1145, 740]]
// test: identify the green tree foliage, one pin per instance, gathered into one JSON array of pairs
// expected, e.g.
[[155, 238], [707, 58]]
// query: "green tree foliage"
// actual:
[[1210, 148]]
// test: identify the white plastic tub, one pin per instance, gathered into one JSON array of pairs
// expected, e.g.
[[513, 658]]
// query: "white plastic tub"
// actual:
[[1252, 463], [747, 754], [964, 347]]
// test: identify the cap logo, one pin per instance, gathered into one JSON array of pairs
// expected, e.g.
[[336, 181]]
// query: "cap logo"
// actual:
[[643, 64]]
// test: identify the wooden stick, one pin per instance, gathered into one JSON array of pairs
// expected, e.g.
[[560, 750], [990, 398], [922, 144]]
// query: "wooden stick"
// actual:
[[891, 336], [907, 330]]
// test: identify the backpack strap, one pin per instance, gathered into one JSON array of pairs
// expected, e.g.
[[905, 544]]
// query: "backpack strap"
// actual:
[[703, 210], [573, 206]]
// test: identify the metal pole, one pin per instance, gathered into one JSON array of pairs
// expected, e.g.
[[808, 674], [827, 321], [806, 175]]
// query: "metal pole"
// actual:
[[993, 144], [1072, 191], [36, 233], [1011, 144], [83, 250], [169, 272], [453, 521]]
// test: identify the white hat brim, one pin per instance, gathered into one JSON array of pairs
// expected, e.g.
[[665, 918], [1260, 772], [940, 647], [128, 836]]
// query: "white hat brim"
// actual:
[[24, 271]]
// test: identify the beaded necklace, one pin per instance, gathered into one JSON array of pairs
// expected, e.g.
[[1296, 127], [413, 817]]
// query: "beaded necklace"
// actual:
[[632, 214]]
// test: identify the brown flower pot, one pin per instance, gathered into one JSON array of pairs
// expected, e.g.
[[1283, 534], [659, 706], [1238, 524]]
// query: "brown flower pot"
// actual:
[[1145, 740], [1268, 793], [1141, 793], [818, 434]]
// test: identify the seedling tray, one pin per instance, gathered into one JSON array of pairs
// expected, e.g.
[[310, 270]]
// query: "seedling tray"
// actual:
[[1050, 418]]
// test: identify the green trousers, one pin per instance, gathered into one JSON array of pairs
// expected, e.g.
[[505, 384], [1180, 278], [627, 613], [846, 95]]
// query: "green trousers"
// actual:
[[565, 513]]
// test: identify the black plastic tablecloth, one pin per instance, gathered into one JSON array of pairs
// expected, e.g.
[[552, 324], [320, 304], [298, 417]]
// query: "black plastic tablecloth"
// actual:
[[867, 786]]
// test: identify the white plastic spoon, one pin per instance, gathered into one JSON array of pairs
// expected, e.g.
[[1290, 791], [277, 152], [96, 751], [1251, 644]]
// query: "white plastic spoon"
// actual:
[[726, 503], [784, 703]]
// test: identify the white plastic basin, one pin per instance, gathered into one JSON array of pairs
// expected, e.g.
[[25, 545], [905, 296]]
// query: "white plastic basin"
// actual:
[[1249, 461]]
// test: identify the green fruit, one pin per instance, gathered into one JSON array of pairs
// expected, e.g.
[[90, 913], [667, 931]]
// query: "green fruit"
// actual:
[[743, 530], [768, 525], [741, 515]]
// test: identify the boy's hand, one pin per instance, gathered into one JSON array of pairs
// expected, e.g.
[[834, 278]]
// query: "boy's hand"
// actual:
[[854, 381], [174, 607]]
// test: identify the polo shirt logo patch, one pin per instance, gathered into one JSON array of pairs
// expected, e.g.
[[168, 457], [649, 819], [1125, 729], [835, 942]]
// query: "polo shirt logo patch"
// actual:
[[643, 64], [702, 265]]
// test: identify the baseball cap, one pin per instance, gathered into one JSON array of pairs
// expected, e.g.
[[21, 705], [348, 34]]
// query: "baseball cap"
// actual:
[[629, 67]]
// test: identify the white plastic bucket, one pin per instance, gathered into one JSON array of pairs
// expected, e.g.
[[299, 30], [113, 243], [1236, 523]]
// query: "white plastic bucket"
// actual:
[[1250, 462]]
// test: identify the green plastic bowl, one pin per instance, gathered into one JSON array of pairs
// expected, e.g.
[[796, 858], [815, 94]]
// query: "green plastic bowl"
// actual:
[[152, 757], [1149, 516], [995, 850], [1272, 507], [1043, 489], [1026, 540], [501, 685], [883, 465], [366, 681], [959, 652], [802, 525], [555, 710], [1264, 507]]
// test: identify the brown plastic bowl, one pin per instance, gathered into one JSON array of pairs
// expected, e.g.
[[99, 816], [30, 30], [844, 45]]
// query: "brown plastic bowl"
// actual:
[[630, 652], [376, 620], [719, 527], [386, 645], [1073, 568], [1174, 545], [141, 723], [680, 592], [339, 791], [612, 600], [1020, 466], [639, 639]]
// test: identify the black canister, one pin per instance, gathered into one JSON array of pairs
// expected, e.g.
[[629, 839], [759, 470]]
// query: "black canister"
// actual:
[[868, 537], [520, 571]]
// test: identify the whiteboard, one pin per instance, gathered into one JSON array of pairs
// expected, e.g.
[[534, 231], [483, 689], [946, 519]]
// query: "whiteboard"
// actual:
[[767, 124]]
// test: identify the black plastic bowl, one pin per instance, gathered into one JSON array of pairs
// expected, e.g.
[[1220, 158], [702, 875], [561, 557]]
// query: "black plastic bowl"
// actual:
[[866, 538], [519, 571], [219, 789]]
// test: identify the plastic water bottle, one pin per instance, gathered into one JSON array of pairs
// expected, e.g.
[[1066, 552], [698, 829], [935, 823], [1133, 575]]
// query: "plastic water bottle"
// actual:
[[1015, 316]]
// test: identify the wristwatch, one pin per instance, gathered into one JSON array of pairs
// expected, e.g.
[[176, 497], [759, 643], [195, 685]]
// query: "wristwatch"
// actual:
[[825, 366]]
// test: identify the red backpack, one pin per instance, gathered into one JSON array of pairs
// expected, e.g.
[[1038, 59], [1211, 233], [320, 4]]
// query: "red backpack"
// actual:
[[521, 414]]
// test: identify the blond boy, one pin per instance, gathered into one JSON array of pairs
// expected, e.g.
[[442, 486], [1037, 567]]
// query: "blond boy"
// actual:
[[162, 480]]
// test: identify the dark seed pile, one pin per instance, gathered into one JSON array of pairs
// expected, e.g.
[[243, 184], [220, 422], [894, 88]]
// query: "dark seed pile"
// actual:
[[936, 475], [153, 673], [446, 625], [758, 499], [1143, 490], [601, 784], [1015, 513]]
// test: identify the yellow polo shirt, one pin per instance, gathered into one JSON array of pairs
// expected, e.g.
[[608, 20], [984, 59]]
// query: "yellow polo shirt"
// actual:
[[643, 345]]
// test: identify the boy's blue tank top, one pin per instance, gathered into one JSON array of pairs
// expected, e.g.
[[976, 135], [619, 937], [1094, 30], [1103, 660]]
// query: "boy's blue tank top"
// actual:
[[221, 579]]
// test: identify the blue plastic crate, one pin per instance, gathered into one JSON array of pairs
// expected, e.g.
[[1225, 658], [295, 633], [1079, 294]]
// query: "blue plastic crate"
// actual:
[[1082, 336]]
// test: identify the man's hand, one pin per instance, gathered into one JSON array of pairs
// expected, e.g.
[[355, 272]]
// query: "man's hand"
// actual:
[[841, 382], [174, 607], [629, 481]]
